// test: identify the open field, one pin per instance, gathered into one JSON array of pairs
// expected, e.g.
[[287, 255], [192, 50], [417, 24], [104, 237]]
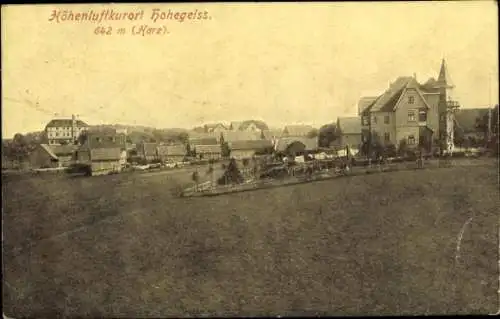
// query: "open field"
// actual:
[[121, 245]]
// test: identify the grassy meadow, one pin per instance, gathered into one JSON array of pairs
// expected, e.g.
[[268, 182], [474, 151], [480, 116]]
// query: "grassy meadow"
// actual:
[[123, 246]]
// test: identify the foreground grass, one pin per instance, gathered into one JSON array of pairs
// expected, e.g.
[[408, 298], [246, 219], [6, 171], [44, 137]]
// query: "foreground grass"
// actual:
[[375, 244]]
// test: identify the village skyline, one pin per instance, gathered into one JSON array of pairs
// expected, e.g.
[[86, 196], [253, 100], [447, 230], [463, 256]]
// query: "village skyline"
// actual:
[[308, 73]]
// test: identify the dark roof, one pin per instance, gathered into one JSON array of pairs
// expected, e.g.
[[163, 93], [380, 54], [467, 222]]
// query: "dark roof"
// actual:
[[284, 142], [365, 102], [65, 122], [55, 151], [61, 150], [250, 145], [49, 150], [388, 99], [466, 118], [429, 86], [105, 139], [105, 154], [349, 125]]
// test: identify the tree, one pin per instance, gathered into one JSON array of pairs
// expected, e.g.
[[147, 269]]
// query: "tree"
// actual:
[[225, 150], [246, 162], [403, 147], [196, 178], [83, 137], [232, 175], [313, 133], [19, 146], [327, 134], [390, 150]]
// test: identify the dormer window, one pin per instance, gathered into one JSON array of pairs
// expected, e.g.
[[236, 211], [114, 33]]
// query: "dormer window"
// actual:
[[411, 100]]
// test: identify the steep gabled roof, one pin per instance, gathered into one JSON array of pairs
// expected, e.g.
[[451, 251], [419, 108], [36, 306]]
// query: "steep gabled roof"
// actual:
[[211, 127], [365, 102], [444, 77], [259, 124], [61, 150], [429, 86], [349, 125], [49, 151], [388, 99]]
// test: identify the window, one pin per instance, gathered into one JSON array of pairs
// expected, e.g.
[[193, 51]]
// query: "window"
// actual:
[[366, 120], [422, 116], [387, 137], [387, 119], [374, 119], [411, 100], [411, 116], [411, 140]]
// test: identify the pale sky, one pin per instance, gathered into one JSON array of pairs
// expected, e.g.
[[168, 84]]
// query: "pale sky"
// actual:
[[284, 63]]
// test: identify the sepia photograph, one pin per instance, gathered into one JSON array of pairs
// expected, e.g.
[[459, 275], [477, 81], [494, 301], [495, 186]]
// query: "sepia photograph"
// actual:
[[218, 159]]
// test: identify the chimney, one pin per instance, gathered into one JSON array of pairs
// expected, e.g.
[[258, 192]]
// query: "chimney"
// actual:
[[414, 75]]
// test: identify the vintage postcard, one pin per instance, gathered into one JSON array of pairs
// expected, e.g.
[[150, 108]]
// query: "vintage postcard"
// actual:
[[250, 159]]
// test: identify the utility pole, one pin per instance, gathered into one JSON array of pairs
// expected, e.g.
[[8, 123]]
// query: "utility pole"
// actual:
[[489, 108]]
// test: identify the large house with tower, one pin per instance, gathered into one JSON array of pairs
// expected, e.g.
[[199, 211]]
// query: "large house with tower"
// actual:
[[418, 114], [64, 131]]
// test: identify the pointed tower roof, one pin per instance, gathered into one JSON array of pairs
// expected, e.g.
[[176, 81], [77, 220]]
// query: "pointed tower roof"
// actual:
[[444, 77]]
